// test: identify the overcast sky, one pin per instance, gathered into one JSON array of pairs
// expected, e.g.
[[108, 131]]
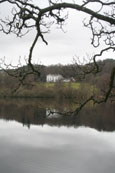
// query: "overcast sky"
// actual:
[[62, 47]]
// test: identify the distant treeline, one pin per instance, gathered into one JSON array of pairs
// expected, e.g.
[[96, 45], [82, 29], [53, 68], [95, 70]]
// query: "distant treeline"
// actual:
[[74, 70], [70, 70], [99, 80]]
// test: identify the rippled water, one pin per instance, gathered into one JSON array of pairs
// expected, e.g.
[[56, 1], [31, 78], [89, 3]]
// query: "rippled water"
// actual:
[[54, 146]]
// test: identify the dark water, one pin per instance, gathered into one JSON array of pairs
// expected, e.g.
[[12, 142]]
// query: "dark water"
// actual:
[[31, 142]]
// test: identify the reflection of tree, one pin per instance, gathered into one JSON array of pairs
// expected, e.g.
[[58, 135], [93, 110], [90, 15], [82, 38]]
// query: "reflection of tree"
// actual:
[[100, 117]]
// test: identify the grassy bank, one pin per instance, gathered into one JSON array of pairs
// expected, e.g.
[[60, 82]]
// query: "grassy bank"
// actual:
[[51, 90]]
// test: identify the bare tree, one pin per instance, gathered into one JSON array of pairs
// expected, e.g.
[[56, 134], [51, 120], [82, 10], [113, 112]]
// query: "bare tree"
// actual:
[[101, 22]]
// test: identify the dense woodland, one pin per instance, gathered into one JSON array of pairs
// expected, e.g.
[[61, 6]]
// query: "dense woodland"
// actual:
[[36, 86], [74, 70]]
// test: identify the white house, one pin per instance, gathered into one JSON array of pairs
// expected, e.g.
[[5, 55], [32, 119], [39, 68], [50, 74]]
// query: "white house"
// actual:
[[53, 77]]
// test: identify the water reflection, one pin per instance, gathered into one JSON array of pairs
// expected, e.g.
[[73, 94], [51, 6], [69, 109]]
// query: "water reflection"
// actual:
[[55, 150], [28, 112], [56, 144]]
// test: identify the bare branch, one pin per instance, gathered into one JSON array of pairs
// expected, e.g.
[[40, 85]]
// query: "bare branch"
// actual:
[[101, 23]]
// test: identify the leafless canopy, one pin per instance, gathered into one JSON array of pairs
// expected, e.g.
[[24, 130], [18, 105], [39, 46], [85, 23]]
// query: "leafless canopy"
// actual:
[[101, 21]]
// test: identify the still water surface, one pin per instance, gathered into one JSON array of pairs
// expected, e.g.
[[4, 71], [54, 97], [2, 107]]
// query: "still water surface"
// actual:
[[54, 149]]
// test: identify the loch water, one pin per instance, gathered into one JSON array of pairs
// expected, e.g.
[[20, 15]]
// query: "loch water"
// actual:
[[32, 141]]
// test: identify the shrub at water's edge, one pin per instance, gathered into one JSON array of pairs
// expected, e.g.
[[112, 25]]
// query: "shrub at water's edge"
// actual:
[[52, 90]]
